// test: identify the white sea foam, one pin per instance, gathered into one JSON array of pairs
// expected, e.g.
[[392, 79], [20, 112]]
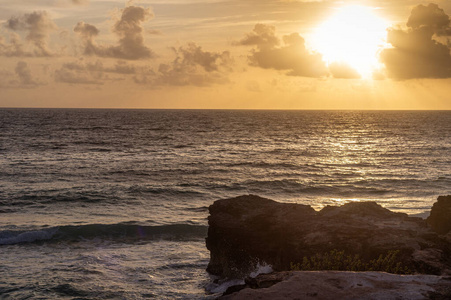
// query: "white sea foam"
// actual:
[[222, 286], [263, 268], [28, 237]]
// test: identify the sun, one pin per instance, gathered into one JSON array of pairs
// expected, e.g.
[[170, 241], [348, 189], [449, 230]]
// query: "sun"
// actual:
[[353, 37]]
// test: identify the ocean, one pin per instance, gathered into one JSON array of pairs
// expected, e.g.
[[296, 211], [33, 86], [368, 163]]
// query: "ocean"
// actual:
[[113, 204]]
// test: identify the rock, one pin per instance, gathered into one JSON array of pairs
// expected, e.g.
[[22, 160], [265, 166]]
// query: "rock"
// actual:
[[234, 288], [349, 285], [249, 230], [440, 217], [267, 280]]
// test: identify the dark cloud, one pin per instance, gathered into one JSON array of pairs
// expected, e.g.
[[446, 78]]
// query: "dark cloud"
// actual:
[[288, 54], [415, 52], [191, 66], [431, 17], [38, 26], [129, 30], [342, 70], [87, 32]]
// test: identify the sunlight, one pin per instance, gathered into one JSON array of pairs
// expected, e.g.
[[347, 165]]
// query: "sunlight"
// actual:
[[353, 36]]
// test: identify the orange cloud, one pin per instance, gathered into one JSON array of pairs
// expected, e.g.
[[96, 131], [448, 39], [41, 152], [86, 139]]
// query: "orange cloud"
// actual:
[[415, 52], [129, 30], [191, 66], [292, 55], [341, 70], [38, 26], [21, 78], [92, 72]]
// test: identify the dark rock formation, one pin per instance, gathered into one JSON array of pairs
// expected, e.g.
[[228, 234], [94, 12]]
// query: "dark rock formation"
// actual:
[[347, 285], [440, 217], [248, 230]]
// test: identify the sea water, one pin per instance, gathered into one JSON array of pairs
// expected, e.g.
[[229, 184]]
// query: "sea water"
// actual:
[[113, 204]]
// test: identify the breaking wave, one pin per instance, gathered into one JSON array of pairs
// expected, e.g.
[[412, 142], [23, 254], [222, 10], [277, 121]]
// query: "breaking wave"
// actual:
[[127, 232]]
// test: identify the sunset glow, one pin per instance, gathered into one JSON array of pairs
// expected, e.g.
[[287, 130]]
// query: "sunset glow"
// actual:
[[353, 37], [208, 54]]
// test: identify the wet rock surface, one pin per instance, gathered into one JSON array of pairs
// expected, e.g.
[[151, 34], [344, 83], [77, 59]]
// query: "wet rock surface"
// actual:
[[249, 230], [346, 285]]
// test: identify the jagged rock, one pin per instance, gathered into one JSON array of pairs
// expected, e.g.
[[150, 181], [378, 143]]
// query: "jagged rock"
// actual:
[[348, 285], [440, 217], [248, 230]]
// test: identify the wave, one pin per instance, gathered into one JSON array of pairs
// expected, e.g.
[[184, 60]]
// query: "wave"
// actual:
[[98, 149], [291, 186], [48, 198], [164, 190], [126, 232], [12, 237], [198, 209]]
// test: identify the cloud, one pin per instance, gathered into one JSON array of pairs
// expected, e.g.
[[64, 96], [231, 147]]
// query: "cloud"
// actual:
[[23, 72], [15, 47], [20, 78], [193, 55], [5, 78], [263, 36], [122, 67], [288, 54], [75, 73], [128, 28], [342, 70], [431, 17], [415, 52], [87, 32], [38, 26], [91, 72], [80, 2], [129, 31], [191, 66]]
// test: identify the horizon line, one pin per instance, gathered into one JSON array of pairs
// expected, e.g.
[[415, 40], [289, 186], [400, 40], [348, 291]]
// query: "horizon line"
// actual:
[[225, 109]]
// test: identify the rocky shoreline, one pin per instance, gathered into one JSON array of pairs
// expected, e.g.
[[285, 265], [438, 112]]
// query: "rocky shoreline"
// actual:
[[326, 285], [248, 231]]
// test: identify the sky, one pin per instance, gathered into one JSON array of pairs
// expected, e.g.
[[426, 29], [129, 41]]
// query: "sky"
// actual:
[[226, 54]]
